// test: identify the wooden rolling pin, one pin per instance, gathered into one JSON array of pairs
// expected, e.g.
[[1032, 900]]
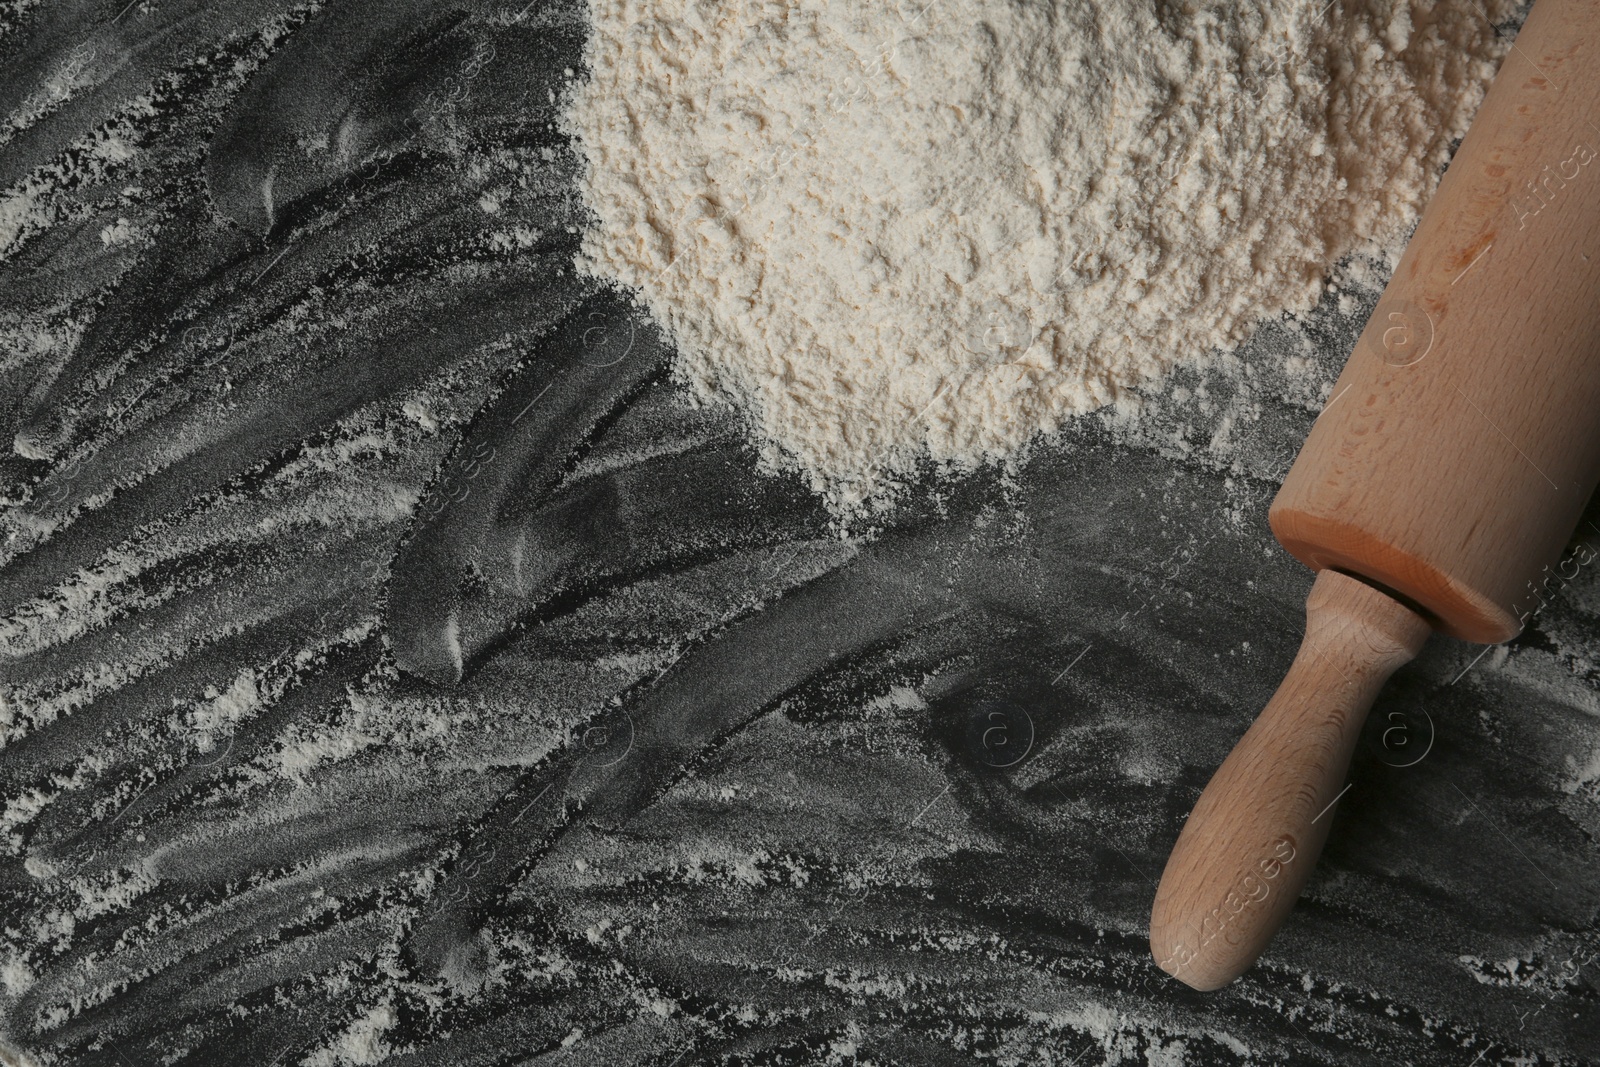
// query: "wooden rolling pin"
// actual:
[[1443, 479]]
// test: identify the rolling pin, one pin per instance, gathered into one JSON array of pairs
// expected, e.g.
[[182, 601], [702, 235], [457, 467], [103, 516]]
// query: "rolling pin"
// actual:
[[1441, 482]]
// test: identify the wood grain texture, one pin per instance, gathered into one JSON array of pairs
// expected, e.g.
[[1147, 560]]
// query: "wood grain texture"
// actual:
[[1462, 440], [1257, 830]]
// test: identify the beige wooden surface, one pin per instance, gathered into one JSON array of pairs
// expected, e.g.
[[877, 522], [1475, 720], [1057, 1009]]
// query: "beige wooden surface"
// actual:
[[1462, 440], [1453, 458]]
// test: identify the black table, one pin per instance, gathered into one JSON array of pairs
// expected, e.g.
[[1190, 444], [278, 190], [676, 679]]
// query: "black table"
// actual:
[[395, 665]]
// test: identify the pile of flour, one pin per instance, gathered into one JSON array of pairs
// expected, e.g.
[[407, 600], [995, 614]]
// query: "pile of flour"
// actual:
[[893, 230]]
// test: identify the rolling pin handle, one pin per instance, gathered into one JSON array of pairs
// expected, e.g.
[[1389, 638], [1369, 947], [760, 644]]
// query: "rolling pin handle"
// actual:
[[1256, 831]]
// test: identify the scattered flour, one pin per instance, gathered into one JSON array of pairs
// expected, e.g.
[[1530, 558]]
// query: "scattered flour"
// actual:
[[889, 231], [363, 1043]]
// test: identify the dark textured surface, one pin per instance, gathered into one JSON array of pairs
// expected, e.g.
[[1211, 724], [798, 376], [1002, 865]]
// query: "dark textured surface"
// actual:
[[396, 668]]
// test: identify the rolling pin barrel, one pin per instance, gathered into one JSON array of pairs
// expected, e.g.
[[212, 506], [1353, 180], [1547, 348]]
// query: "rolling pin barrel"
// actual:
[[1451, 462], [1460, 444]]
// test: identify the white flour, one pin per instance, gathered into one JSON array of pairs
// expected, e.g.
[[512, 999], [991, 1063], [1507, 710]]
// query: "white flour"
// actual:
[[888, 230]]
